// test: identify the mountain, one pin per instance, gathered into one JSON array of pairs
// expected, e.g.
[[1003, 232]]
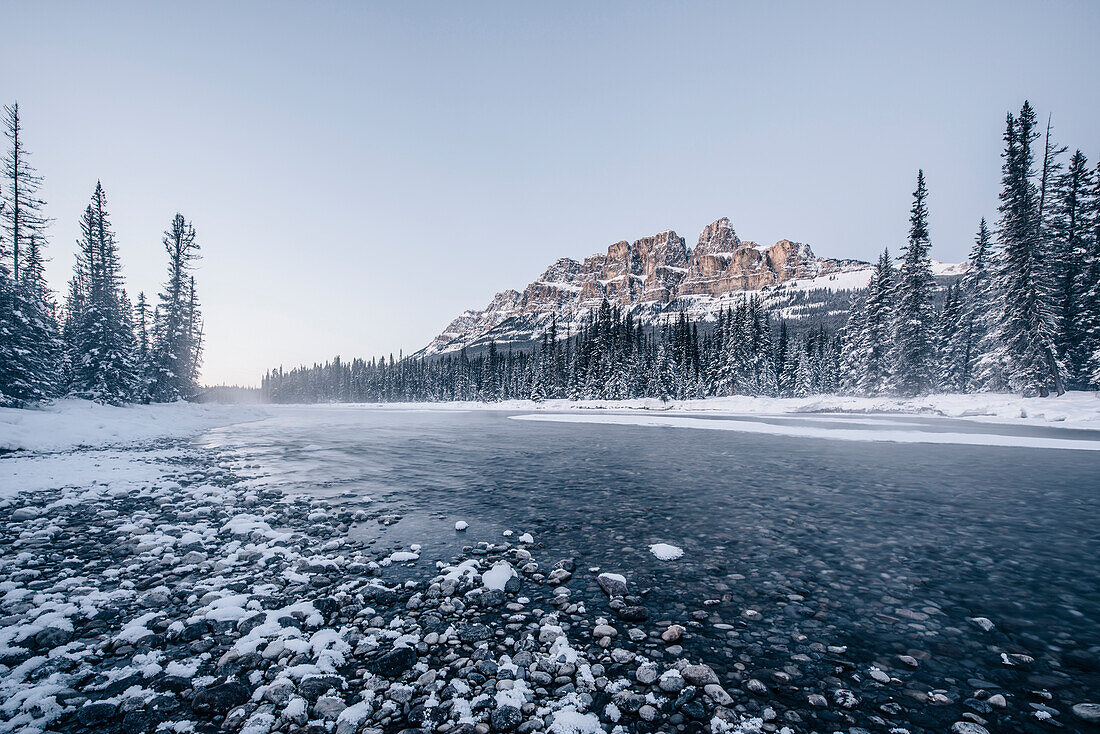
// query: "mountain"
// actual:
[[656, 276]]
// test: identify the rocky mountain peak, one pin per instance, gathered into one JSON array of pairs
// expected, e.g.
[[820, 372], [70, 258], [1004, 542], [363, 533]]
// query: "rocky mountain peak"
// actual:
[[650, 275], [718, 236]]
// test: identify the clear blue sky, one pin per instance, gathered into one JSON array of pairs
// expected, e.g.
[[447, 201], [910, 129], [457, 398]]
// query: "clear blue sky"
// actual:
[[358, 174]]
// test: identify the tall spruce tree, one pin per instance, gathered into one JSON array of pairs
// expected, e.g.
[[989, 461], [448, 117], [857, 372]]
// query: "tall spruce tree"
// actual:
[[877, 335], [24, 223], [913, 357], [30, 346], [100, 329], [952, 343], [1069, 232], [975, 300], [174, 355], [143, 324], [1090, 291], [1027, 325]]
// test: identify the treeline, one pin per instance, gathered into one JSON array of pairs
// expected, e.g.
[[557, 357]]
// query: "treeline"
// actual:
[[612, 357], [97, 344], [1026, 315], [1025, 318]]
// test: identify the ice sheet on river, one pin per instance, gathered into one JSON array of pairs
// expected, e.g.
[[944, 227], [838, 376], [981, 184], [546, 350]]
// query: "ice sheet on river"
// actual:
[[877, 432]]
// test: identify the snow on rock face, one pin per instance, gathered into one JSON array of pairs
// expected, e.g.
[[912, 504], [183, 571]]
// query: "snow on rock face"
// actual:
[[651, 277], [461, 525], [666, 552]]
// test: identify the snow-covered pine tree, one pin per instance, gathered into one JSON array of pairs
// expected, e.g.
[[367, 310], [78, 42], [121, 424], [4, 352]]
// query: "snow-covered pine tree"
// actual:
[[143, 326], [784, 369], [804, 373], [24, 221], [30, 345], [853, 347], [952, 343], [913, 357], [172, 350], [195, 326], [101, 346], [878, 318], [1090, 290], [1026, 324], [975, 301], [1069, 232]]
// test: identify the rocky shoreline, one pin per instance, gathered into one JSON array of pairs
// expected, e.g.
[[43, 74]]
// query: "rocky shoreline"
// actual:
[[198, 603]]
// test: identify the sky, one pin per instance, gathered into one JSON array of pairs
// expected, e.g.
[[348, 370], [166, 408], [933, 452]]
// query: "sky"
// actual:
[[360, 173]]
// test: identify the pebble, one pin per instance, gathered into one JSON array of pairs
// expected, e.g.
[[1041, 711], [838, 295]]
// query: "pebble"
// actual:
[[756, 686], [505, 718], [673, 634], [968, 727], [1089, 712]]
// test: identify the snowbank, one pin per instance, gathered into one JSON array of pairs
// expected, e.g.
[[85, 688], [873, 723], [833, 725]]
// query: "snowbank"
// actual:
[[1072, 410], [67, 424]]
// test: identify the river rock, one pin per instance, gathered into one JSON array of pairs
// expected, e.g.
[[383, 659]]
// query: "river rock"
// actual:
[[219, 699], [1089, 712], [505, 718], [613, 584]]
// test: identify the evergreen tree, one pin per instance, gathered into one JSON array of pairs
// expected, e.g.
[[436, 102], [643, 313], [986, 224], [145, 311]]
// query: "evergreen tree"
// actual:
[[24, 223], [952, 343], [1089, 289], [143, 320], [29, 341], [100, 333], [1069, 240], [804, 374], [1026, 327], [854, 349], [173, 349], [975, 300], [913, 355], [877, 333]]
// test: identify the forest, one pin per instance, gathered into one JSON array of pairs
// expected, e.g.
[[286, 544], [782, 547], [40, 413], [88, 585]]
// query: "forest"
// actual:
[[97, 344]]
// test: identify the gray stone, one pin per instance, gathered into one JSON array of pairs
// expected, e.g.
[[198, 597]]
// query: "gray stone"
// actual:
[[1089, 712], [612, 585], [96, 713], [968, 727], [219, 699], [394, 663], [699, 675], [328, 707], [718, 694], [505, 718]]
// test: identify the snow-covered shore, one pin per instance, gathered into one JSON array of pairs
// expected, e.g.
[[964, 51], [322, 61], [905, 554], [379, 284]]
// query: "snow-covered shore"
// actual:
[[1072, 410], [67, 424]]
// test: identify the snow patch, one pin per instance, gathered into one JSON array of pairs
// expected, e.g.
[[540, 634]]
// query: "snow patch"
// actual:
[[666, 552]]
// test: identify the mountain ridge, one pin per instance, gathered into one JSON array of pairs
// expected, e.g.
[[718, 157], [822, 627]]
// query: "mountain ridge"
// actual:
[[654, 276]]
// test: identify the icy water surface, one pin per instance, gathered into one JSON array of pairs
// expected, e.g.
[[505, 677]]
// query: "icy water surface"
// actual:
[[889, 549]]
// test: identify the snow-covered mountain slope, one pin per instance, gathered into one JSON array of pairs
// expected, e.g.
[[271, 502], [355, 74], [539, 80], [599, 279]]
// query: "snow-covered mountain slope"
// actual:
[[658, 276]]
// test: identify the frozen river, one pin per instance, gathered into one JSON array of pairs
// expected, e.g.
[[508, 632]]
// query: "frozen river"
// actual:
[[885, 535]]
